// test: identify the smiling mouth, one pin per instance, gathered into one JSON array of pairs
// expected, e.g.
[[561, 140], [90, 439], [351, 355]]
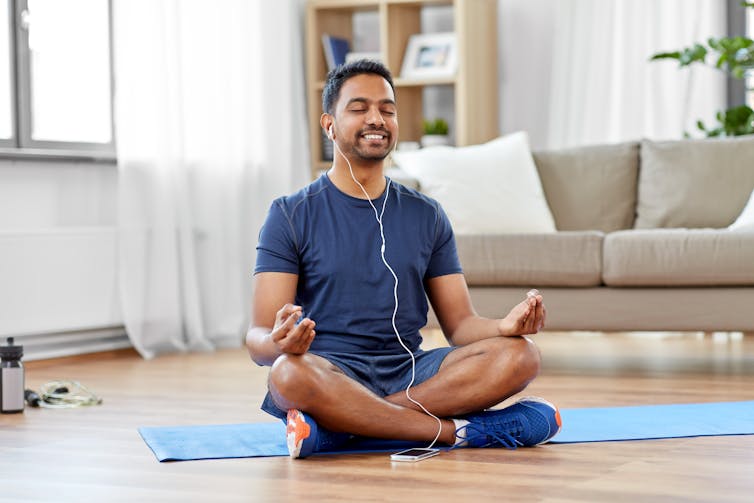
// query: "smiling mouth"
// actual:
[[374, 136]]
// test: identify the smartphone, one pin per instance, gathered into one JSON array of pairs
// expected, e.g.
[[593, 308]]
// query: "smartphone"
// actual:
[[416, 454]]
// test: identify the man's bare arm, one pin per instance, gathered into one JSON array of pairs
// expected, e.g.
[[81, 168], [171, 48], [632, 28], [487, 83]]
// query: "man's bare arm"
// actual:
[[274, 329], [461, 325]]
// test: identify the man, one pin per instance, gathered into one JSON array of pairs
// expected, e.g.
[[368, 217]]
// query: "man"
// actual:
[[353, 255]]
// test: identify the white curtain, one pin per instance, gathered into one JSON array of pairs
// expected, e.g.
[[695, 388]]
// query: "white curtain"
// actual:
[[603, 87], [210, 127]]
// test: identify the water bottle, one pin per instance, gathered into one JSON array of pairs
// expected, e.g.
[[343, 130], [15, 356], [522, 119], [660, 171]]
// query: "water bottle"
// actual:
[[11, 378]]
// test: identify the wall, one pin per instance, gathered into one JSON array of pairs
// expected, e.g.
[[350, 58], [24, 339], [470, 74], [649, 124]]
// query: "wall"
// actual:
[[525, 30], [38, 194], [58, 287]]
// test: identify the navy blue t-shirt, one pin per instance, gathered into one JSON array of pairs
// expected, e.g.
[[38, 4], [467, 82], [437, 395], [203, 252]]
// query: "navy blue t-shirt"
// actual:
[[332, 241]]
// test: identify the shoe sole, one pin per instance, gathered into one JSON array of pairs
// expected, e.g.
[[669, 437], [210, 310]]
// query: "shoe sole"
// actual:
[[296, 431], [558, 420]]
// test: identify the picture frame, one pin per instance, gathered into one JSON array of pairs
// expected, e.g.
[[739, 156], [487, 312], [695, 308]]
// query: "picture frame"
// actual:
[[430, 55]]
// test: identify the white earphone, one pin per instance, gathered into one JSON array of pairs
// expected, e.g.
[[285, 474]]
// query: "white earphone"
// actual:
[[378, 217]]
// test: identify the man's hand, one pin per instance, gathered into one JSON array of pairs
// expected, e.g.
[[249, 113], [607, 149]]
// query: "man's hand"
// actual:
[[290, 337], [527, 317]]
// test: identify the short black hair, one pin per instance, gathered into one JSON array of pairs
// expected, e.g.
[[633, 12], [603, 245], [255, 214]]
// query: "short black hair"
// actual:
[[340, 74]]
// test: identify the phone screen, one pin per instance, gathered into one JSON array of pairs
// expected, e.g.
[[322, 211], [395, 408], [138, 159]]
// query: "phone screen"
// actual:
[[416, 454], [412, 453]]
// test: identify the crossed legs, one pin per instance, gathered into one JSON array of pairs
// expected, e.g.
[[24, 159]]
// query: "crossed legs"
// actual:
[[471, 378]]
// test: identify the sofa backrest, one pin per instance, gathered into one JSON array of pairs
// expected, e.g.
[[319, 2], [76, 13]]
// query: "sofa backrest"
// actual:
[[694, 183], [591, 188]]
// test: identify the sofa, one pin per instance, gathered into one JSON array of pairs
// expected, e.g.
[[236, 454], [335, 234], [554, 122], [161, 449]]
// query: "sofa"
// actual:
[[641, 239]]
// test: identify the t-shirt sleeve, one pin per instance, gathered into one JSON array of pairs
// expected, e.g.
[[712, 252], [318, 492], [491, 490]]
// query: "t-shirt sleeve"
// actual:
[[444, 258], [277, 250]]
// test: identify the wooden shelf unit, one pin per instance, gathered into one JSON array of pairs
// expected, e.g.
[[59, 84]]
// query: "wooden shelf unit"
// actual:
[[475, 85]]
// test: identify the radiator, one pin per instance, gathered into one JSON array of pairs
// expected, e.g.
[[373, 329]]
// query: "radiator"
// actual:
[[59, 291]]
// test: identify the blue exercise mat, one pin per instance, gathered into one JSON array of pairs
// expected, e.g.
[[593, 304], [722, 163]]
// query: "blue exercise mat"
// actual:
[[249, 440], [182, 443], [646, 422]]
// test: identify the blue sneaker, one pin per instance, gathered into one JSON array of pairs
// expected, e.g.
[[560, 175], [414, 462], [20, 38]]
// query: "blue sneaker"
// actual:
[[305, 437], [529, 421]]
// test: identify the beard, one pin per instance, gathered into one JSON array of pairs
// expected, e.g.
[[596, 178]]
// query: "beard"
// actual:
[[370, 153], [370, 156]]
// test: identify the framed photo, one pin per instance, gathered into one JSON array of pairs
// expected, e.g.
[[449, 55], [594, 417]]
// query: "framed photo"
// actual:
[[430, 55]]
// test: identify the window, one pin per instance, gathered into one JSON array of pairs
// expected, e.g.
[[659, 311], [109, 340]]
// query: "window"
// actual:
[[6, 93], [750, 73], [55, 75]]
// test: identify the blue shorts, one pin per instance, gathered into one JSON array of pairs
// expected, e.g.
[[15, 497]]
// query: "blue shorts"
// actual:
[[383, 374]]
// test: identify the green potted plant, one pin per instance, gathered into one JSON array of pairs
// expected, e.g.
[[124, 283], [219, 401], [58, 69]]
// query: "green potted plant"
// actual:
[[435, 132], [735, 56]]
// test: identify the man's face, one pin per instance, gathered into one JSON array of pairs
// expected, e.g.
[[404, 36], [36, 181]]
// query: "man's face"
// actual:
[[366, 118]]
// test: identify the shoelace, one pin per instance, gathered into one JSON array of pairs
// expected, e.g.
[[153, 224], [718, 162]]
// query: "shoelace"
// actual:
[[495, 432]]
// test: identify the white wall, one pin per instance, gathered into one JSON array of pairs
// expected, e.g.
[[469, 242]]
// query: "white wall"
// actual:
[[525, 30], [58, 256], [50, 194]]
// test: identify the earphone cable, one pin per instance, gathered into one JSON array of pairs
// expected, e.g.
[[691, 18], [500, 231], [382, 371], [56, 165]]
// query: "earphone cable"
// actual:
[[65, 394], [378, 217]]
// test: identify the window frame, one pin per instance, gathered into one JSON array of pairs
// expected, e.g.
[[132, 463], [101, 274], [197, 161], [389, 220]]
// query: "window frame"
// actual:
[[22, 145], [11, 142], [749, 79], [737, 26]]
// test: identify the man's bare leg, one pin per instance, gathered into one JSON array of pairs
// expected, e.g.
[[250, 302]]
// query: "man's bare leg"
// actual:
[[337, 402], [471, 378], [475, 377]]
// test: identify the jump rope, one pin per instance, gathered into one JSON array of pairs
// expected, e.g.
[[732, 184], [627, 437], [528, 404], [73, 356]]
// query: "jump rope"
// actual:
[[378, 217]]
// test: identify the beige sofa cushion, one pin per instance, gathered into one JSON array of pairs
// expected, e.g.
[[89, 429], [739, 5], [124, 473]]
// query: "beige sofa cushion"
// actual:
[[591, 188], [678, 257], [694, 183], [559, 259]]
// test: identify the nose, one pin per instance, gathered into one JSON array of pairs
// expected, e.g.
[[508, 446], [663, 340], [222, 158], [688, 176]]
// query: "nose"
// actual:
[[374, 117]]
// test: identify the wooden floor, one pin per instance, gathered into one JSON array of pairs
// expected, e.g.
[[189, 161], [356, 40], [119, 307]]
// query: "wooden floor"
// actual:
[[96, 454]]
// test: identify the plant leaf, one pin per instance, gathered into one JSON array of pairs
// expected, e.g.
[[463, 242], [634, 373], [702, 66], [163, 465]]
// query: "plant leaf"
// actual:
[[666, 55]]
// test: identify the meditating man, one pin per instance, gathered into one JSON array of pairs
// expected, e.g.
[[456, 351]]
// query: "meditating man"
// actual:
[[344, 269]]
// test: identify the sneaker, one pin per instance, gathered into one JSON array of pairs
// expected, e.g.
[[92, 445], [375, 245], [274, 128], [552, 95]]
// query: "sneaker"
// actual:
[[529, 421], [305, 437]]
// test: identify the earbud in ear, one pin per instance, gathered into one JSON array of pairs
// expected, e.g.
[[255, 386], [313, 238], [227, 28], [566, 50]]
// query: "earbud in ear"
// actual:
[[329, 132]]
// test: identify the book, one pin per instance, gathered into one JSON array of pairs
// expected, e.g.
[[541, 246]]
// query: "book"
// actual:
[[336, 49]]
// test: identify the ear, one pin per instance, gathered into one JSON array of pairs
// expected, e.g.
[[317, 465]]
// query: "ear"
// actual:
[[327, 121]]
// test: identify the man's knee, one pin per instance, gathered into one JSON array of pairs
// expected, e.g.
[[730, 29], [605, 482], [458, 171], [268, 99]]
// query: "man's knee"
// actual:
[[298, 378], [288, 374], [529, 358], [520, 355]]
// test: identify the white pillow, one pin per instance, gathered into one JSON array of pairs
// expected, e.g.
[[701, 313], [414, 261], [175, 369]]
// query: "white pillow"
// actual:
[[485, 189], [745, 221]]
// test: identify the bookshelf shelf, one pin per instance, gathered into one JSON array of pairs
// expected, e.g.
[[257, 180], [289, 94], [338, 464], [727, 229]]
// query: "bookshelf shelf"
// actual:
[[474, 84], [400, 82]]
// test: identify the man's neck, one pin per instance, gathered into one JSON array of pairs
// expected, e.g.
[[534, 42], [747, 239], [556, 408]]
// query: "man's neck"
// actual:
[[369, 175]]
